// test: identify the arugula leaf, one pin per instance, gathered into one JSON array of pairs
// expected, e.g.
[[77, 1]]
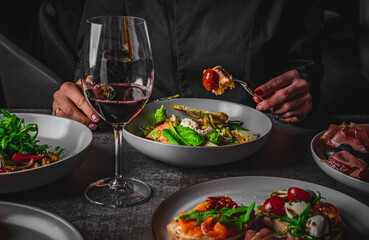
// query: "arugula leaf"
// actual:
[[17, 137], [297, 226], [160, 115], [224, 216]]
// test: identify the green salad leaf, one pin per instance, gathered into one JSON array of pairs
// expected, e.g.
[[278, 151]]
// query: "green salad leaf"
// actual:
[[190, 136], [214, 138], [17, 137], [160, 115], [182, 136]]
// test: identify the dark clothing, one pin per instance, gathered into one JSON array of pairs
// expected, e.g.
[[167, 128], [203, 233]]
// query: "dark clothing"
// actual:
[[254, 40]]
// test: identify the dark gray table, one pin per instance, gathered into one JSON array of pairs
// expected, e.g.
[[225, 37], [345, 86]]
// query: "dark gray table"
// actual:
[[286, 154]]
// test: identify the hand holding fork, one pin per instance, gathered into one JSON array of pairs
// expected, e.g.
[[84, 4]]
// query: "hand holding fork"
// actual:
[[287, 96]]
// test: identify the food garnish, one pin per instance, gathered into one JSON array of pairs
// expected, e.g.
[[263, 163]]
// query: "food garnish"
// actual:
[[302, 215], [217, 218], [20, 148], [206, 128], [225, 216]]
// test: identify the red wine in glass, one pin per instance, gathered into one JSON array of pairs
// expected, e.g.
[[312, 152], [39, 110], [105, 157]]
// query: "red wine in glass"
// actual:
[[117, 103], [117, 73]]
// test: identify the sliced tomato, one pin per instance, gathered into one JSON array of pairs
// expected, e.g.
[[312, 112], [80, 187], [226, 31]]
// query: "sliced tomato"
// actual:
[[210, 79], [295, 193], [328, 210], [274, 205]]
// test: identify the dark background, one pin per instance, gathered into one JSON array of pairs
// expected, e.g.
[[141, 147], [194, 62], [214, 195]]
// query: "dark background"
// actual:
[[345, 86]]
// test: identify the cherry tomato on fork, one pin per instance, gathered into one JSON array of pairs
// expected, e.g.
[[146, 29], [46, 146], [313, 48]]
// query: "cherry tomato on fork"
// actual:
[[210, 79], [295, 193], [274, 205]]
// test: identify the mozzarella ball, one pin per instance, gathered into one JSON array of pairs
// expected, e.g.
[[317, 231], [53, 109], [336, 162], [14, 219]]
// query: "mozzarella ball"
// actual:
[[317, 226]]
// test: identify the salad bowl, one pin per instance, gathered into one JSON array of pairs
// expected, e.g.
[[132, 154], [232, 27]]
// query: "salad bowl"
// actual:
[[199, 156], [74, 137]]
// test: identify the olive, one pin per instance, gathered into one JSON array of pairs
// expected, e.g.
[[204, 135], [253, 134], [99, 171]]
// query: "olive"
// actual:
[[330, 151], [346, 147], [364, 157]]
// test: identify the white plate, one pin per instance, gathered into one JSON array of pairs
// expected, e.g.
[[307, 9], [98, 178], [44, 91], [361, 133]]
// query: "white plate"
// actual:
[[71, 135], [245, 190], [31, 223], [317, 150], [187, 156]]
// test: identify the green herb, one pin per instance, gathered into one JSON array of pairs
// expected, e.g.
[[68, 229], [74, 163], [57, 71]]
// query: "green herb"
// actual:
[[223, 216], [182, 136], [160, 115], [214, 138], [173, 137], [235, 127], [17, 137], [296, 226], [190, 136], [170, 137], [144, 131], [155, 135]]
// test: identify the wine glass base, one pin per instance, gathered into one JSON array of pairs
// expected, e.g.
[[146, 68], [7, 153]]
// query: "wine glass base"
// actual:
[[132, 192]]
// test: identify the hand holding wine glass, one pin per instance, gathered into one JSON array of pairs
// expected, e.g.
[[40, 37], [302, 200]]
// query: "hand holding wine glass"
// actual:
[[118, 76]]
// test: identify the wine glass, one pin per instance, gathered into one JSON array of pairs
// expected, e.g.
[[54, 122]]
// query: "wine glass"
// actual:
[[117, 80]]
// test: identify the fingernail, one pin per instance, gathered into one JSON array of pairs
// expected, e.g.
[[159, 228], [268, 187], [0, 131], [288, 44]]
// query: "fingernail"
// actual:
[[258, 92], [259, 107], [92, 126], [95, 118]]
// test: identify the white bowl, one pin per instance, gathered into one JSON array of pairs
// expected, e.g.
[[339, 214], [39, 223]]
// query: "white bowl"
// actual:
[[71, 135], [317, 149], [187, 156]]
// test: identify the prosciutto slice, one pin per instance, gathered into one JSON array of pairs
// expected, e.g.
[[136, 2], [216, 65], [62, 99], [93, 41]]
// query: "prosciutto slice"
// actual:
[[263, 234], [353, 134], [347, 163]]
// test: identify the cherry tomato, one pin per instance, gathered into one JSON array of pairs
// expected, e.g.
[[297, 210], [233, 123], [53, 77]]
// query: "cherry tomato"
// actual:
[[295, 193], [328, 210], [274, 205], [210, 79]]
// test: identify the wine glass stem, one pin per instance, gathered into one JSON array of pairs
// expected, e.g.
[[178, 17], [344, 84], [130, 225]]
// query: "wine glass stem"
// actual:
[[118, 182]]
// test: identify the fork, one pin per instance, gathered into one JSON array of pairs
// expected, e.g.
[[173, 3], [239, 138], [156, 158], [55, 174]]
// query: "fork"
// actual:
[[247, 88]]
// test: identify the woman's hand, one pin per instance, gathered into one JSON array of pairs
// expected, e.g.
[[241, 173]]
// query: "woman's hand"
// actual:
[[70, 102], [288, 95]]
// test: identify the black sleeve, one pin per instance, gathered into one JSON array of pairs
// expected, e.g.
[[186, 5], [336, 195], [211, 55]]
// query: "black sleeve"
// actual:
[[302, 28]]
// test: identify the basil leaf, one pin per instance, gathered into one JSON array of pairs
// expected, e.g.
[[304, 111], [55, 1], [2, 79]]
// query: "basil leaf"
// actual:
[[172, 140], [190, 136]]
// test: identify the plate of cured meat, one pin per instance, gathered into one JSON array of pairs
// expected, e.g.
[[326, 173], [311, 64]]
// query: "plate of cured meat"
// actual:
[[341, 151]]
